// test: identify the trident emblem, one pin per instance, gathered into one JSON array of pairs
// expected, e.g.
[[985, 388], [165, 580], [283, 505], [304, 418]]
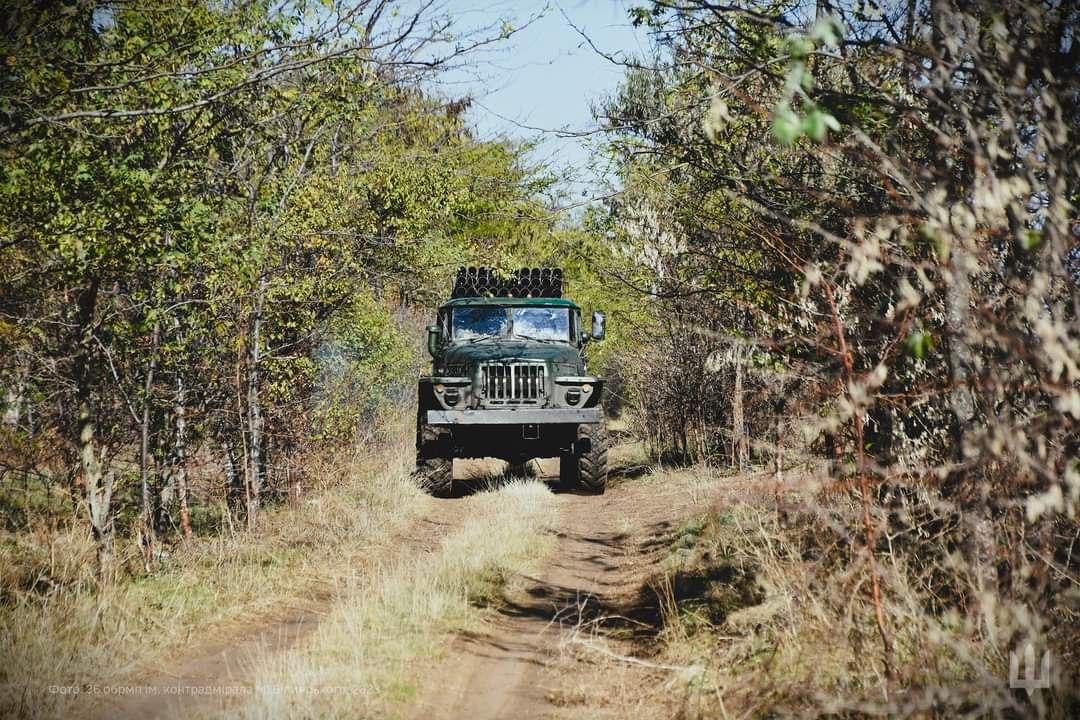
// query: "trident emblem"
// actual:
[[1029, 681]]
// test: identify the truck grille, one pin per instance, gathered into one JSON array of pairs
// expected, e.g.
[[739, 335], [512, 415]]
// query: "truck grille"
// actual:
[[512, 383]]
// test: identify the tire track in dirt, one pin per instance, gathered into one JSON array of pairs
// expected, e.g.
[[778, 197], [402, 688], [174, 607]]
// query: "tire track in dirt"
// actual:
[[231, 658], [594, 581]]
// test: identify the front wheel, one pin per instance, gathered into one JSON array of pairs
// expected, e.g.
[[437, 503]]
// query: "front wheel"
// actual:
[[434, 471], [587, 468], [435, 476]]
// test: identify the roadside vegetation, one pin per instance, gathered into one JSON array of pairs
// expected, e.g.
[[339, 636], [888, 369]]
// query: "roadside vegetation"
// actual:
[[222, 227], [763, 607], [60, 628], [848, 233]]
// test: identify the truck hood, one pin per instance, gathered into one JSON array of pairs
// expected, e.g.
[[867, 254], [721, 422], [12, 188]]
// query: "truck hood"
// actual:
[[511, 349]]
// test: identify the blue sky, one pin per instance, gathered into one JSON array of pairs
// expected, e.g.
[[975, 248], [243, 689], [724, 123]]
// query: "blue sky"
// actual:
[[544, 78]]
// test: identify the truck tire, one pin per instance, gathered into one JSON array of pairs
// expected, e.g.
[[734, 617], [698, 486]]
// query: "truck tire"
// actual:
[[434, 465], [587, 470], [435, 476]]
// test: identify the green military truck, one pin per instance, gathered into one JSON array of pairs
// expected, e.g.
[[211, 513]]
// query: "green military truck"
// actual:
[[509, 381]]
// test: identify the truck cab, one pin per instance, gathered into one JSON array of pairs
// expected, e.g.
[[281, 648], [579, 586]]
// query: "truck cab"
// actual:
[[509, 380]]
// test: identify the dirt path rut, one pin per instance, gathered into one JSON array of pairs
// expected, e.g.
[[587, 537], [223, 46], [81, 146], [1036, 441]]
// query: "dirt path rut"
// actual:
[[594, 581], [229, 662]]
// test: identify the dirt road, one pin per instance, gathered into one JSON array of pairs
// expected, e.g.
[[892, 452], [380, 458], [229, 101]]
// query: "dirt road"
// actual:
[[565, 637], [559, 645], [230, 657]]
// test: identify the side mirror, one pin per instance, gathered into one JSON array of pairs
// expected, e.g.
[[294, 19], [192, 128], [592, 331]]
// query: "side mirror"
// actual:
[[432, 339], [597, 325]]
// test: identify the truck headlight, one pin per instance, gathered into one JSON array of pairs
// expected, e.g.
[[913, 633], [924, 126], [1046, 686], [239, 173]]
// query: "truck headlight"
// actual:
[[573, 396]]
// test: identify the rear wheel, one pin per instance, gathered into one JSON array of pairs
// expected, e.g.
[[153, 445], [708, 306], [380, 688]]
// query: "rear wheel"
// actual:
[[587, 469], [434, 464]]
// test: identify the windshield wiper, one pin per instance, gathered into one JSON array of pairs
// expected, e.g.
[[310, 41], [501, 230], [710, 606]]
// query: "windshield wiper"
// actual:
[[537, 339], [482, 337]]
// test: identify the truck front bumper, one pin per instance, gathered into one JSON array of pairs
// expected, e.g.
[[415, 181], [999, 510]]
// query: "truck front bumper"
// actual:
[[515, 416]]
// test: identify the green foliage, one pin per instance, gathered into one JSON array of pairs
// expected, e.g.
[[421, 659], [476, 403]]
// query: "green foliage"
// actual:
[[837, 194], [919, 343], [787, 125], [255, 208]]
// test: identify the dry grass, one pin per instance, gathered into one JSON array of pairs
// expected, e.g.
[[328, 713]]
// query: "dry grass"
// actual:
[[777, 616], [61, 630], [766, 611], [364, 659]]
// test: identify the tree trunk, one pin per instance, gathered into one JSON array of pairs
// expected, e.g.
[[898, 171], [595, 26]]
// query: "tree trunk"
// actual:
[[14, 395], [234, 482], [255, 416], [778, 466], [961, 356], [982, 547], [740, 455], [294, 481], [179, 458], [779, 409], [99, 487], [166, 489], [783, 514], [97, 480], [146, 518]]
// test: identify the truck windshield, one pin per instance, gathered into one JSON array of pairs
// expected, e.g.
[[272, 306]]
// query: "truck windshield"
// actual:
[[474, 322], [539, 323], [542, 323]]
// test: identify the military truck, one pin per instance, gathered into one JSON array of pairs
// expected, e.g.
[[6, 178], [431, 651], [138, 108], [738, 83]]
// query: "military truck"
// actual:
[[509, 381]]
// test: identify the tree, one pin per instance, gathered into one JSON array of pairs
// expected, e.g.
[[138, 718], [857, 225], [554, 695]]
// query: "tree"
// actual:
[[886, 197], [194, 199]]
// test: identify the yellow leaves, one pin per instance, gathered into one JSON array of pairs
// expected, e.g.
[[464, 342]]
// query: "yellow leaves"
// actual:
[[1052, 500], [865, 257], [717, 118]]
